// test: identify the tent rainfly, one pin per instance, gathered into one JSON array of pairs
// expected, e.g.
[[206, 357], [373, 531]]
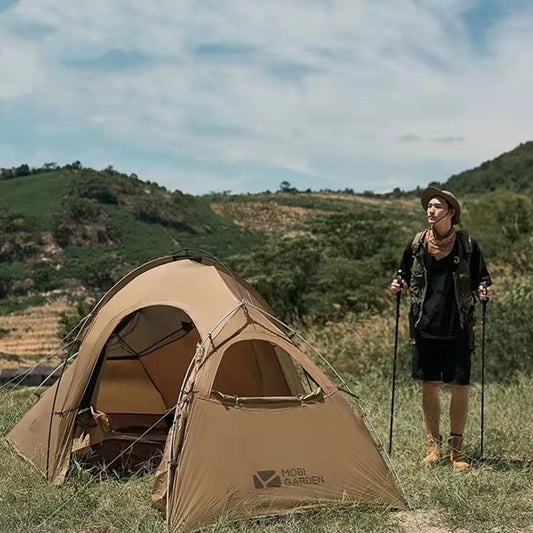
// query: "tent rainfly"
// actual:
[[183, 361]]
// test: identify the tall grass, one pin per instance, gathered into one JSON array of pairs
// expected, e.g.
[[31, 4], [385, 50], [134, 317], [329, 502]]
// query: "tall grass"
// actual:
[[364, 343], [496, 495]]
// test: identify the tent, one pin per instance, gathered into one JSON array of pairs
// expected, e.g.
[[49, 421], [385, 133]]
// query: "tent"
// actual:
[[183, 363]]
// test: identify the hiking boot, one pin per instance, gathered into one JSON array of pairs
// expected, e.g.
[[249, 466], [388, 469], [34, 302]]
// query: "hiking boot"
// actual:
[[457, 456], [433, 450]]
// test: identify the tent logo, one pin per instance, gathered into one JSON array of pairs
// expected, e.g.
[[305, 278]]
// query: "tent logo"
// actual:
[[289, 477], [266, 479]]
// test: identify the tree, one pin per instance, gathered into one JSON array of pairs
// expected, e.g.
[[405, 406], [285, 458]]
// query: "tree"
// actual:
[[285, 186], [6, 173], [23, 170]]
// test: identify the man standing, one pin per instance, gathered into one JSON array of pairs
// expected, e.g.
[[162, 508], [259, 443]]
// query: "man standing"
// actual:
[[444, 269]]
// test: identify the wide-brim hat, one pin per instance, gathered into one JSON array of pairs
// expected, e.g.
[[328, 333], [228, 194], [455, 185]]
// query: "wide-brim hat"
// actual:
[[430, 192]]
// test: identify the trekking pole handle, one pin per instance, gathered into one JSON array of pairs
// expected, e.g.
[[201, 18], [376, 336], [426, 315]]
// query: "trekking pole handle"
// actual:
[[485, 286], [399, 281], [399, 277]]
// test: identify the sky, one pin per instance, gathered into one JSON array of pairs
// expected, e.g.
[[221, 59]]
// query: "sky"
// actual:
[[240, 95]]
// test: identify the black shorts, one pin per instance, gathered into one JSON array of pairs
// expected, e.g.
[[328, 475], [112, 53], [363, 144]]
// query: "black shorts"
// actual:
[[448, 361]]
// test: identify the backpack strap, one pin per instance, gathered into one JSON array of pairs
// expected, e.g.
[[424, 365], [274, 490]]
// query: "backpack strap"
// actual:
[[466, 241], [417, 241]]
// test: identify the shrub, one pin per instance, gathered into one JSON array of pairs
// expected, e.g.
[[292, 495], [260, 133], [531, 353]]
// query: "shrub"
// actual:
[[509, 338], [83, 222], [502, 224], [45, 277], [95, 186], [98, 269], [18, 237], [337, 264]]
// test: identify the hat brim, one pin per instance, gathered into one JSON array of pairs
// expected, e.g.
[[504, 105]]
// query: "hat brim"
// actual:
[[431, 192]]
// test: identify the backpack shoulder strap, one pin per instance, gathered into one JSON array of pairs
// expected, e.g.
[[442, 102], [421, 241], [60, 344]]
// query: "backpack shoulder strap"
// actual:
[[417, 241], [466, 241]]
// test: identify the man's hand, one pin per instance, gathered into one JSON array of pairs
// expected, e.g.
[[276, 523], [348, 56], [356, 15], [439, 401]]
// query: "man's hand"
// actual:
[[485, 293], [395, 287]]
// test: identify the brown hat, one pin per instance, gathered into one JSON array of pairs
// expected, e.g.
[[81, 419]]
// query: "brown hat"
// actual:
[[430, 192]]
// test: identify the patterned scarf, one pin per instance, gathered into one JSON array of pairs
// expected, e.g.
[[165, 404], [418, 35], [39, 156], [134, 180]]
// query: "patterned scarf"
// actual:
[[440, 246]]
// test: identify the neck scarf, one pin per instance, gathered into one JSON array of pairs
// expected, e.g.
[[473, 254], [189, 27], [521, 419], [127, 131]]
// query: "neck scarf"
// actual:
[[440, 245]]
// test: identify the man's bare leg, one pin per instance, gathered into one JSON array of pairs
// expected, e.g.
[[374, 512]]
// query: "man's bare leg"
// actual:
[[458, 409], [431, 408], [458, 416]]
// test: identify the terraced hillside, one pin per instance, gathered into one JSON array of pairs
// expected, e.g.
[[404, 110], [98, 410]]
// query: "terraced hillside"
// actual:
[[29, 334]]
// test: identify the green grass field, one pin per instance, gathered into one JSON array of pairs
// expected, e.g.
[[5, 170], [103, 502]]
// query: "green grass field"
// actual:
[[496, 495]]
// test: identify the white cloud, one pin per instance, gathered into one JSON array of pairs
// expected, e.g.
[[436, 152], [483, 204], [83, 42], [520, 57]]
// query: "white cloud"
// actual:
[[19, 69], [293, 84]]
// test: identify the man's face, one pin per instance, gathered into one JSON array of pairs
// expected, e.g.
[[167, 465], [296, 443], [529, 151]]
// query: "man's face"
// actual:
[[437, 209]]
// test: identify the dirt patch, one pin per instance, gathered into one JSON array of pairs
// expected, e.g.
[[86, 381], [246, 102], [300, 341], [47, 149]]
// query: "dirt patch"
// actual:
[[273, 216], [424, 521], [359, 199], [269, 216]]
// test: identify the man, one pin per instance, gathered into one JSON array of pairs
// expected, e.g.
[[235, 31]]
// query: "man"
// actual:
[[444, 269]]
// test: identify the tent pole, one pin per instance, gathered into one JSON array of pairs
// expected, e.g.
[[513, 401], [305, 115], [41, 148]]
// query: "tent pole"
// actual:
[[52, 412]]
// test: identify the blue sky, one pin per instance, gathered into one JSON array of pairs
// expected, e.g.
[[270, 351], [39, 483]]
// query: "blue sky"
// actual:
[[206, 95]]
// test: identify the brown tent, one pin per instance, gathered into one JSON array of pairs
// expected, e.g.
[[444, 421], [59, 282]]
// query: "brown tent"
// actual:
[[184, 359]]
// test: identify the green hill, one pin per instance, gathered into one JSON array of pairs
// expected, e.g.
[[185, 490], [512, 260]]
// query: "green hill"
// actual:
[[317, 257], [310, 253], [68, 227], [80, 230], [511, 171]]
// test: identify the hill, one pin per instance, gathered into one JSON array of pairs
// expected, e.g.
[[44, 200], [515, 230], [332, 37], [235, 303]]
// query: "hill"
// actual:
[[82, 229], [76, 230], [73, 232], [67, 234], [511, 171]]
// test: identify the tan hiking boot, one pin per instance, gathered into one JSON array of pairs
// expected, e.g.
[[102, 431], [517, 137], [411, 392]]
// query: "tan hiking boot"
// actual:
[[457, 456], [433, 450]]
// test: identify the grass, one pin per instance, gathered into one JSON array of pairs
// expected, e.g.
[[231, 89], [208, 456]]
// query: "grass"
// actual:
[[502, 477], [496, 495], [35, 197]]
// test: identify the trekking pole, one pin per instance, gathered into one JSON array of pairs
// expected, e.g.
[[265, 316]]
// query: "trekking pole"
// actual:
[[398, 297], [483, 320]]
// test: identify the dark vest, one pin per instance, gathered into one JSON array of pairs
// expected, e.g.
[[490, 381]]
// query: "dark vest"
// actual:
[[464, 293]]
